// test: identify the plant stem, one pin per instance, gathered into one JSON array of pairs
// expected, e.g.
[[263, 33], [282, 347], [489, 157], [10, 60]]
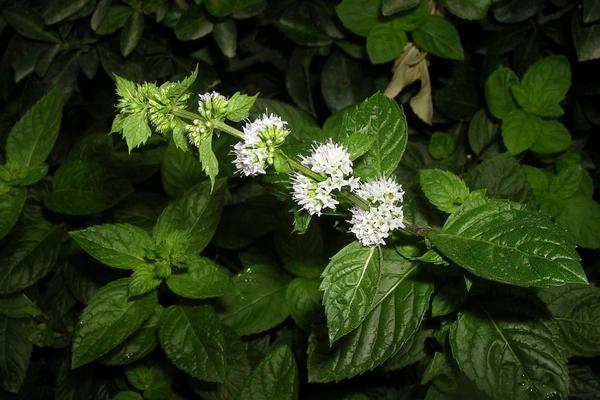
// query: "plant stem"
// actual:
[[222, 126], [186, 114]]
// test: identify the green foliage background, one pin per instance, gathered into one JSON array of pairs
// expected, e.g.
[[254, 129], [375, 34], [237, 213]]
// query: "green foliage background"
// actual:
[[129, 274]]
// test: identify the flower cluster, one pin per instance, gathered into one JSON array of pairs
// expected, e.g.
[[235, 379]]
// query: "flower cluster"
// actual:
[[261, 138], [211, 106], [385, 214], [333, 163]]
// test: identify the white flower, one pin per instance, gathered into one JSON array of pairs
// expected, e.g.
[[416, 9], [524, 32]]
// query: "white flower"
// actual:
[[330, 159], [311, 195], [380, 191], [257, 149], [212, 105], [385, 215]]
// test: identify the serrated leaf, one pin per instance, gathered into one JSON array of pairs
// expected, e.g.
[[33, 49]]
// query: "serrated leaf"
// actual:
[[544, 86], [138, 345], [482, 132], [239, 106], [468, 9], [349, 285], [122, 246], [132, 33], [389, 7], [193, 340], [439, 37], [11, 204], [143, 280], [507, 354], [303, 299], [29, 255], [584, 384], [15, 352], [82, 187], [180, 170], [260, 303], [192, 219], [136, 130], [201, 280], [32, 138], [520, 130], [497, 92], [503, 241], [210, 164], [384, 119], [276, 377], [581, 217], [443, 189], [399, 307], [358, 16], [576, 311], [109, 318], [553, 138], [385, 42]]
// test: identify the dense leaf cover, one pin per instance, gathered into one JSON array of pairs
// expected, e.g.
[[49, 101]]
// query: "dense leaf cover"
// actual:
[[137, 263]]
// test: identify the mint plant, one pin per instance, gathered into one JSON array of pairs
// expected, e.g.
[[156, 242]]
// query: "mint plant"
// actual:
[[301, 199]]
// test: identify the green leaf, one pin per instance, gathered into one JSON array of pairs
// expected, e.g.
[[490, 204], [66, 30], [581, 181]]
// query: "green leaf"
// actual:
[[358, 16], [138, 345], [576, 311], [468, 9], [448, 300], [109, 18], [193, 25], [497, 92], [128, 395], [482, 132], [409, 20], [220, 8], [385, 42], [236, 374], [29, 24], [121, 246], [150, 378], [502, 241], [136, 130], [239, 106], [109, 318], [29, 255], [349, 285], [85, 187], [191, 220], [18, 306], [508, 355], [15, 352], [193, 340], [520, 130], [553, 138], [544, 86], [31, 139], [502, 177], [586, 38], [143, 280], [225, 34], [584, 383], [566, 183], [179, 170], [343, 82], [591, 11], [11, 204], [389, 7], [260, 303], [412, 351], [303, 299], [132, 33], [62, 9], [276, 377], [439, 37], [443, 189], [396, 314], [581, 217], [210, 164], [441, 145], [202, 279], [382, 118]]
